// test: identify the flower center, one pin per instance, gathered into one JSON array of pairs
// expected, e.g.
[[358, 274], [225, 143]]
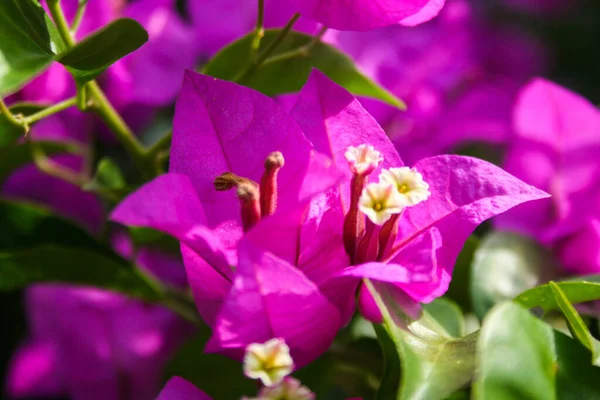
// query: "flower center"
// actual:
[[256, 200], [371, 224], [270, 361]]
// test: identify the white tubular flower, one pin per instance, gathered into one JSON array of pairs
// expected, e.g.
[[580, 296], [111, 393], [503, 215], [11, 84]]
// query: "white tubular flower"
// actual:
[[270, 361], [363, 159], [409, 183], [379, 201], [289, 389]]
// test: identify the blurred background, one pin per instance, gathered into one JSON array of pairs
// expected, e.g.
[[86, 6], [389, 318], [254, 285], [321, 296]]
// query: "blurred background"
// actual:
[[515, 40]]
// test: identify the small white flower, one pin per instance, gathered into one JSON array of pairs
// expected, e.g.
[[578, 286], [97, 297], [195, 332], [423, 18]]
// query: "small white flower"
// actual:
[[408, 182], [270, 361], [289, 389], [363, 159], [379, 201]]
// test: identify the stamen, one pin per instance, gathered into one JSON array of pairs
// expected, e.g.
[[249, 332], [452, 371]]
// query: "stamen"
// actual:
[[354, 222], [268, 183], [228, 180], [368, 246], [387, 235], [270, 361], [249, 201], [363, 159], [380, 201], [409, 183]]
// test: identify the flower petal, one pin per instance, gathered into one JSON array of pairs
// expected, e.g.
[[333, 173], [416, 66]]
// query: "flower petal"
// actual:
[[334, 120], [271, 298], [179, 389], [168, 204], [363, 15], [34, 371], [464, 192], [222, 127]]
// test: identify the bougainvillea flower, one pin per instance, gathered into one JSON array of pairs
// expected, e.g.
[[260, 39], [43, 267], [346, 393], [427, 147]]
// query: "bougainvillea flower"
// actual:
[[555, 148], [230, 137], [365, 15], [290, 272], [179, 389], [419, 245]]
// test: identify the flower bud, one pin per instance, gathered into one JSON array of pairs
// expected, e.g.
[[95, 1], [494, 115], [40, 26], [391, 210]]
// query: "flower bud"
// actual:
[[363, 159]]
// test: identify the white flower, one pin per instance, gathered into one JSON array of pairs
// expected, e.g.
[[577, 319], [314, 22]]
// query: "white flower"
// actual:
[[270, 361], [363, 159], [409, 184], [379, 201]]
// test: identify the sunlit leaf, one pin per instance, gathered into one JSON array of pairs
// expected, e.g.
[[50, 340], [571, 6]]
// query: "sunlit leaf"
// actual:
[[515, 356], [91, 56], [583, 289], [288, 76], [25, 44], [578, 328]]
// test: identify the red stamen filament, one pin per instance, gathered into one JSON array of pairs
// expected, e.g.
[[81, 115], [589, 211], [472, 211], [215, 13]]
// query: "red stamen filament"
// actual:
[[268, 183], [368, 246], [250, 205], [354, 223]]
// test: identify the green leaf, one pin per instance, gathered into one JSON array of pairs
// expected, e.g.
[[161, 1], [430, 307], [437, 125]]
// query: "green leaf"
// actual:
[[448, 315], [91, 56], [16, 155], [434, 365], [290, 75], [576, 291], [9, 133], [26, 225], [576, 377], [71, 265], [515, 356], [109, 182], [26, 46], [505, 265], [38, 246], [578, 328]]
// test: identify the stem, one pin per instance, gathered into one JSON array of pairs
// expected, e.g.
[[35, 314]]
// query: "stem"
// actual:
[[267, 52], [116, 124], [100, 103], [54, 109], [303, 51], [61, 22], [259, 32], [17, 121], [78, 16], [51, 168]]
